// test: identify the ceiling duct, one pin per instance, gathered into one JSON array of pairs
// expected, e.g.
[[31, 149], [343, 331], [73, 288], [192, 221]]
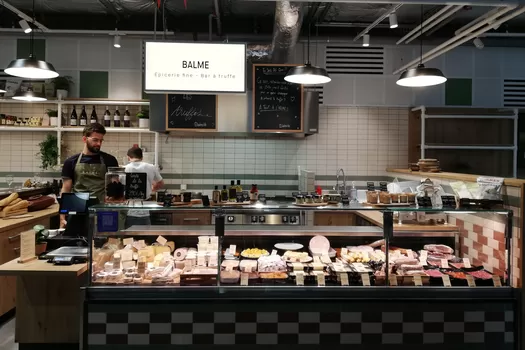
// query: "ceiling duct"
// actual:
[[286, 30]]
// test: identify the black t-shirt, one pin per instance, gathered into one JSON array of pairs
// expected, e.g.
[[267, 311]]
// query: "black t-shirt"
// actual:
[[68, 170]]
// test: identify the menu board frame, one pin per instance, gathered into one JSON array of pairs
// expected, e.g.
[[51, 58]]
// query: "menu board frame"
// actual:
[[254, 83], [204, 130]]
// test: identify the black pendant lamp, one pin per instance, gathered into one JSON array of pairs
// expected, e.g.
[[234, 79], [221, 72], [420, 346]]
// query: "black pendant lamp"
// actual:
[[31, 68], [421, 76], [29, 95], [307, 74]]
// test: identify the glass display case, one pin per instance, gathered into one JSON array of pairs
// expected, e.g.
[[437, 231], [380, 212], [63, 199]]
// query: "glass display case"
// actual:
[[264, 246]]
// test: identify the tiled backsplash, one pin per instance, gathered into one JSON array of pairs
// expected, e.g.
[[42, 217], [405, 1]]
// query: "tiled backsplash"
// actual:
[[362, 141]]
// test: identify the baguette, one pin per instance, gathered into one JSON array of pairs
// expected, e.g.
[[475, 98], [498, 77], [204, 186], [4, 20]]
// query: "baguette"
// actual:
[[6, 201], [16, 201], [20, 205]]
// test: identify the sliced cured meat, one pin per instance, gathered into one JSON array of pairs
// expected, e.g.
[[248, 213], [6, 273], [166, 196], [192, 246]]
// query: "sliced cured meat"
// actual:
[[439, 248], [415, 272], [405, 268], [406, 261], [481, 274], [434, 273], [377, 243]]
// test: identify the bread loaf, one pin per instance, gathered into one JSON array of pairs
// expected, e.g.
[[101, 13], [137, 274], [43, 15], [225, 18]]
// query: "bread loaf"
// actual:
[[6, 201], [17, 206]]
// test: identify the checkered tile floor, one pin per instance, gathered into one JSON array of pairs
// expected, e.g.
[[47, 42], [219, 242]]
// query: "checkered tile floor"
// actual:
[[270, 328]]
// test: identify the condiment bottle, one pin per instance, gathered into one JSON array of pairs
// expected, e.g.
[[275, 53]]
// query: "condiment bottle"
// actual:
[[254, 193], [216, 196]]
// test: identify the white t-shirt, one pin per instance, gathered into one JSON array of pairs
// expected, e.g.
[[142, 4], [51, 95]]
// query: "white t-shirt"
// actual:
[[153, 175]]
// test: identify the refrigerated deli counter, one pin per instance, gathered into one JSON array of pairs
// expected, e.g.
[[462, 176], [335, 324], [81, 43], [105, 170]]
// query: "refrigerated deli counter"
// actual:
[[299, 285]]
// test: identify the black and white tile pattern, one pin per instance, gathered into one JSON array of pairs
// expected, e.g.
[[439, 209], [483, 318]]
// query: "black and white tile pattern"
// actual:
[[308, 328]]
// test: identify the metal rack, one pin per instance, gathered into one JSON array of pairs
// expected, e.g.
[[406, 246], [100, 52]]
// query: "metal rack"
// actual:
[[514, 147]]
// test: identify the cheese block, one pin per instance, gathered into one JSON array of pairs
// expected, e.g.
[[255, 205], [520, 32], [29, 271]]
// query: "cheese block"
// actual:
[[148, 253], [126, 254], [171, 245], [159, 249], [128, 264]]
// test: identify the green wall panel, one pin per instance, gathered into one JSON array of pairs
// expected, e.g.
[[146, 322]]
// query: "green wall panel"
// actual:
[[458, 92], [23, 48], [93, 84]]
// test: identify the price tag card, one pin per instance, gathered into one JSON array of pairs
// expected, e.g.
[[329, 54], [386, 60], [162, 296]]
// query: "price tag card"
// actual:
[[274, 252], [344, 251], [320, 280], [418, 281], [424, 254], [344, 279], [128, 241], [446, 281], [233, 249], [325, 259], [27, 246], [392, 279], [422, 261], [444, 263], [366, 279], [161, 240], [317, 259], [410, 254], [299, 278], [113, 241], [297, 266], [470, 281], [244, 279], [466, 262], [496, 280]]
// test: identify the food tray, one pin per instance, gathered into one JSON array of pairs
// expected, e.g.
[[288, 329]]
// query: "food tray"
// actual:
[[273, 275], [197, 280], [389, 205], [253, 256]]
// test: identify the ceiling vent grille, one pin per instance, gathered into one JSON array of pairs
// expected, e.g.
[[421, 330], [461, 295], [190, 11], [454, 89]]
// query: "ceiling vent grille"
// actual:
[[514, 93], [316, 88], [354, 60]]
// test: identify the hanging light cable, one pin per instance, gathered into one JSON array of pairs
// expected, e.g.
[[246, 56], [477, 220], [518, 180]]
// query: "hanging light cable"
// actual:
[[31, 68], [307, 74], [421, 76]]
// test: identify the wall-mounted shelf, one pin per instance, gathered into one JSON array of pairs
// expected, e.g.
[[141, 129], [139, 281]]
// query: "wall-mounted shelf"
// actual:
[[61, 129]]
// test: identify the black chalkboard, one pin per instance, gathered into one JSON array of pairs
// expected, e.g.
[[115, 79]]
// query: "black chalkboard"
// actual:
[[277, 104], [196, 112], [136, 185]]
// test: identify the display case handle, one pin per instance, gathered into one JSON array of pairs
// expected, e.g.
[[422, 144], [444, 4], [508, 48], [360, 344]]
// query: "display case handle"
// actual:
[[13, 237]]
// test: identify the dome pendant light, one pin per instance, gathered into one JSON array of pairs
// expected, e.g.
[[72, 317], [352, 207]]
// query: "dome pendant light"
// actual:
[[31, 68], [307, 74], [29, 96], [421, 76]]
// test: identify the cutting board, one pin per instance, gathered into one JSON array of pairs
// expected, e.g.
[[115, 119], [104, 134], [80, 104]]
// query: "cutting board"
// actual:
[[13, 213]]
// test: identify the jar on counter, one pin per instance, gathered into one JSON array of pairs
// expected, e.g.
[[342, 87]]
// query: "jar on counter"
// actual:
[[403, 198], [384, 198], [299, 199], [411, 198], [308, 199], [318, 198], [394, 197], [372, 197]]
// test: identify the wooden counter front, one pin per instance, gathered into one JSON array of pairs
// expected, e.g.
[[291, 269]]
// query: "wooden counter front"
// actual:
[[48, 301], [10, 230]]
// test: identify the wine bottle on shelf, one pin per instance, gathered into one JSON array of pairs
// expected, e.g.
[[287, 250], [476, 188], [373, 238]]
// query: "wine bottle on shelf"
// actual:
[[127, 118], [116, 118], [83, 116], [73, 119], [93, 119], [107, 118]]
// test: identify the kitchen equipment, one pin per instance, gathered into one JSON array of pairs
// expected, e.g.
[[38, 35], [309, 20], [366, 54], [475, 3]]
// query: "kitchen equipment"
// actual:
[[186, 197]]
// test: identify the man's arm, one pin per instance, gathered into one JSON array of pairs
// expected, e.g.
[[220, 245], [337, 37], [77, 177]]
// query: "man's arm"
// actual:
[[158, 182]]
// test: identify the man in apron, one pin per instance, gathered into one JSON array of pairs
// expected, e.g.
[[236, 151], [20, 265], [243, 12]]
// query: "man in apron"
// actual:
[[85, 172]]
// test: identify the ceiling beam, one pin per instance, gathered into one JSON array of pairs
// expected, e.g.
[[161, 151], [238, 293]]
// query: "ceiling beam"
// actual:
[[23, 16], [428, 2]]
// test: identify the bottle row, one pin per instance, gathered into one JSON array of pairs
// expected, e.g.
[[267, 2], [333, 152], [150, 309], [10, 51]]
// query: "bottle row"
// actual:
[[107, 120]]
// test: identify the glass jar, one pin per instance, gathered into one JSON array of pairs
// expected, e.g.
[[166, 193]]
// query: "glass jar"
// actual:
[[115, 185], [308, 199], [372, 197], [411, 198], [403, 198], [394, 197], [318, 198], [299, 199], [384, 198]]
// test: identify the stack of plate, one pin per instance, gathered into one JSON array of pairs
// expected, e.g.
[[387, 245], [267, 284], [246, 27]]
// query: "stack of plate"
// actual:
[[429, 165]]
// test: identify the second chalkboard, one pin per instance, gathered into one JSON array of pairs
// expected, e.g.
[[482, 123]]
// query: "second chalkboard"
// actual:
[[191, 112]]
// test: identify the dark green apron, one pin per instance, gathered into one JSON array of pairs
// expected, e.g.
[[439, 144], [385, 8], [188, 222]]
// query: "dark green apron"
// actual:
[[90, 178]]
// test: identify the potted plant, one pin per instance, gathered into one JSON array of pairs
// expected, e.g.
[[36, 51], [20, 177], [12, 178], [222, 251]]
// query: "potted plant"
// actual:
[[62, 85], [48, 152], [41, 235], [53, 117], [143, 116]]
